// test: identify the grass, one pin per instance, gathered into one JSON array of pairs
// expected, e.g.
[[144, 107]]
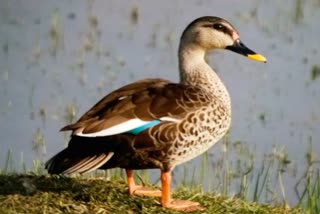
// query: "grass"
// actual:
[[235, 181], [60, 194]]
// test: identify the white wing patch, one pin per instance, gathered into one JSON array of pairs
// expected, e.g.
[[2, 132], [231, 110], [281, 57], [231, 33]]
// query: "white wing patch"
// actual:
[[123, 127], [117, 129], [171, 119]]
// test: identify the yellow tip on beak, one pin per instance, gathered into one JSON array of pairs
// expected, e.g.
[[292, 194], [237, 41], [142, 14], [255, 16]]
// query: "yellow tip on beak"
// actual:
[[257, 57]]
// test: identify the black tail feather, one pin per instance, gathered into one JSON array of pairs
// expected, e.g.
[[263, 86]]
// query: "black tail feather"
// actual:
[[81, 155]]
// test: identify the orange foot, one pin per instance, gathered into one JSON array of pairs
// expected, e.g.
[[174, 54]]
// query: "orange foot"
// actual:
[[167, 202], [186, 206], [140, 190], [144, 191]]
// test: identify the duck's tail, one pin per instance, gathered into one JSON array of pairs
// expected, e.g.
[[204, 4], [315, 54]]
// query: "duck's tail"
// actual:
[[82, 155]]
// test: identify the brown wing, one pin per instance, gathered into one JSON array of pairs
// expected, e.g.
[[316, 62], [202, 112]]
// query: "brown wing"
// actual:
[[146, 100]]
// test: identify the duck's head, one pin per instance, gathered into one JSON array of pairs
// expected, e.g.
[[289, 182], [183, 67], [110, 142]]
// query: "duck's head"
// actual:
[[216, 33]]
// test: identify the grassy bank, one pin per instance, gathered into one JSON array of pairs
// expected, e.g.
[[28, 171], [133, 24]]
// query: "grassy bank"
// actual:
[[59, 194], [235, 173]]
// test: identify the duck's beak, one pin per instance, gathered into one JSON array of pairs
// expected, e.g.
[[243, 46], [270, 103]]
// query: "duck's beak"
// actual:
[[240, 48]]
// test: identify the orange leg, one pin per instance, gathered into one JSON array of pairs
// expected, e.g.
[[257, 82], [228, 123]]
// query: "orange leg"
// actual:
[[166, 200], [130, 180], [139, 190], [165, 182]]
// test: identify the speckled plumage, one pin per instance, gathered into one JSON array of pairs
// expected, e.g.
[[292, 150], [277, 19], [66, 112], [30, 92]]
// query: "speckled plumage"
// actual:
[[187, 118], [202, 119]]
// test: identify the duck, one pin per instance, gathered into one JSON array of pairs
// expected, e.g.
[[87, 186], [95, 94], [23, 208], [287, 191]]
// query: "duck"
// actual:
[[155, 123]]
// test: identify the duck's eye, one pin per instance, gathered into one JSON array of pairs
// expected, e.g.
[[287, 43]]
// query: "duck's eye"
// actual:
[[219, 27]]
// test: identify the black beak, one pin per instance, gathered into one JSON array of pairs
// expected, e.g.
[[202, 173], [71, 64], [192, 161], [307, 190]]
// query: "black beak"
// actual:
[[240, 48]]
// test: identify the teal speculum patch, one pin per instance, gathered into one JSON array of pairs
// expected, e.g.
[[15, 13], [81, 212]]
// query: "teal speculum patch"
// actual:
[[139, 129]]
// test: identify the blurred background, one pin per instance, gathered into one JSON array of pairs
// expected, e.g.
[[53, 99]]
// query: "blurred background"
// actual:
[[58, 58]]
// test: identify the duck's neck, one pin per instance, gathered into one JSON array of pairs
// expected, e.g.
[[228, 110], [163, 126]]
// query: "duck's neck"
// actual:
[[194, 70]]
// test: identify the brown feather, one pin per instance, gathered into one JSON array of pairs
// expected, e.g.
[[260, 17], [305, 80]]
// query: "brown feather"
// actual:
[[147, 100]]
